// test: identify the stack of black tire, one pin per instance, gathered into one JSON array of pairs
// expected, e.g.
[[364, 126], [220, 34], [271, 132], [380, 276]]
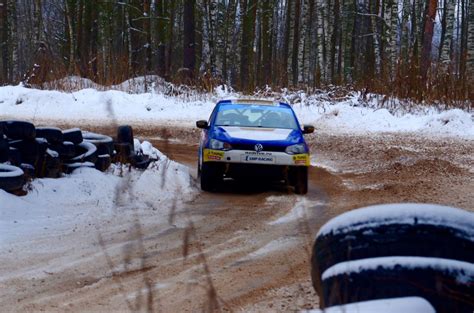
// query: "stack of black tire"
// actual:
[[395, 251], [27, 152]]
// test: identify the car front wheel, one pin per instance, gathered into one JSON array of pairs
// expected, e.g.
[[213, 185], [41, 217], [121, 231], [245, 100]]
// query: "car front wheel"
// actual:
[[301, 180], [209, 175]]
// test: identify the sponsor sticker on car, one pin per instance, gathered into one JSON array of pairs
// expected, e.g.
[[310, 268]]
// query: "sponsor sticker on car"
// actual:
[[254, 157], [213, 155], [301, 159]]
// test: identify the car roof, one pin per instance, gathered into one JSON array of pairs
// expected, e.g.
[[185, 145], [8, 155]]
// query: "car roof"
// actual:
[[250, 101]]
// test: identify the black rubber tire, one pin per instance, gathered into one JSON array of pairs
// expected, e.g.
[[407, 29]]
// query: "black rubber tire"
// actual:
[[103, 162], [19, 130], [52, 134], [49, 165], [85, 152], [379, 231], [301, 180], [123, 152], [29, 170], [140, 161], [73, 135], [211, 176], [69, 168], [104, 144], [14, 156], [4, 149], [31, 150], [11, 177], [446, 284], [66, 150], [125, 135]]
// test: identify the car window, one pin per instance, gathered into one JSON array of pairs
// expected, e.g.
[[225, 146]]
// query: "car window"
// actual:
[[256, 116]]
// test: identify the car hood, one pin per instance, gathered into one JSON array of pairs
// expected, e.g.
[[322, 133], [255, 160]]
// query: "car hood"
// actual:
[[237, 133]]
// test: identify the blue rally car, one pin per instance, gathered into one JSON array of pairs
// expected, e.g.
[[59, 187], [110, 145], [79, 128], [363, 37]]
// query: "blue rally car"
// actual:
[[253, 138]]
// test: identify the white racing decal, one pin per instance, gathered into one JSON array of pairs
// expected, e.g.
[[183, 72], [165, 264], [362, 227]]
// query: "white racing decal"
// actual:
[[253, 133], [258, 158]]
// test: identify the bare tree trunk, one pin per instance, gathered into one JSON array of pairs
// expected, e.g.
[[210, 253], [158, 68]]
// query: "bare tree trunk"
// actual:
[[189, 55], [428, 37], [445, 55]]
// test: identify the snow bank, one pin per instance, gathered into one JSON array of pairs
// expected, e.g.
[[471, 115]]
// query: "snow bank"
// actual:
[[464, 271], [87, 196], [348, 115], [394, 305], [430, 214]]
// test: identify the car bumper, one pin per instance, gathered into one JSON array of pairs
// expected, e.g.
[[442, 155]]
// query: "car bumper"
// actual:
[[252, 157]]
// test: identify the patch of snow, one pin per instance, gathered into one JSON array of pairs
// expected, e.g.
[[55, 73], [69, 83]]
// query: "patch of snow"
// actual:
[[10, 171], [463, 271], [299, 211], [272, 246], [393, 305], [420, 213]]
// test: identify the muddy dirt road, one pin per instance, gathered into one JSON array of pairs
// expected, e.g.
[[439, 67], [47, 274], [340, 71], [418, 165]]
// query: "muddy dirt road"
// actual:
[[245, 248]]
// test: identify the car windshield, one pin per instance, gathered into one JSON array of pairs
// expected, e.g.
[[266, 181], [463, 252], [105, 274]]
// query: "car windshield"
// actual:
[[249, 115]]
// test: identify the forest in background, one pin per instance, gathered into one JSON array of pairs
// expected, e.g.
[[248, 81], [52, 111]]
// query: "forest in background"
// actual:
[[422, 50]]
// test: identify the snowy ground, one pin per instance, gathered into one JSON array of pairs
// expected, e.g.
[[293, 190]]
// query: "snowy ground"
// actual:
[[349, 115]]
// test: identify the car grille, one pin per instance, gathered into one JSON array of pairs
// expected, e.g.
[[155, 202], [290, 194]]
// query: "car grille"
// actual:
[[251, 147]]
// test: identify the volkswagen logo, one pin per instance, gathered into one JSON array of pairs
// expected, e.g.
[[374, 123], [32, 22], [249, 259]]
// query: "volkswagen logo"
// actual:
[[258, 147]]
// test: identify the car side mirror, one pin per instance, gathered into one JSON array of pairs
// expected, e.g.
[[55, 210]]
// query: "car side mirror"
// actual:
[[202, 124], [308, 129]]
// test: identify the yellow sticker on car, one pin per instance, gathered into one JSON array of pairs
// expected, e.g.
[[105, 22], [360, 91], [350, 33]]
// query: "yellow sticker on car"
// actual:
[[301, 159], [213, 155]]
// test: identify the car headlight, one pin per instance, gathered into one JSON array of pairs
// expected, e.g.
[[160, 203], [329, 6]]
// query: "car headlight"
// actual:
[[296, 149], [219, 145]]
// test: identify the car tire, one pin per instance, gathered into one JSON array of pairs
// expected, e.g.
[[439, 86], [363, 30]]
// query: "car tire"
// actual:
[[125, 135], [31, 150], [14, 156], [104, 144], [409, 229], [123, 152], [103, 162], [210, 176], [4, 149], [140, 161], [66, 150], [71, 167], [446, 284], [86, 152], [16, 130], [52, 134], [301, 180], [11, 177], [73, 135]]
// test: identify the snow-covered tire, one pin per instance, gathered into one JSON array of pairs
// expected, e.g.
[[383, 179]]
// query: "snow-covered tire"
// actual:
[[424, 230], [66, 150], [71, 167], [52, 134], [31, 150], [11, 177], [19, 130], [125, 135], [87, 152], [49, 165], [14, 156], [4, 149], [391, 305], [104, 144], [446, 284], [103, 162], [73, 135], [140, 161]]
